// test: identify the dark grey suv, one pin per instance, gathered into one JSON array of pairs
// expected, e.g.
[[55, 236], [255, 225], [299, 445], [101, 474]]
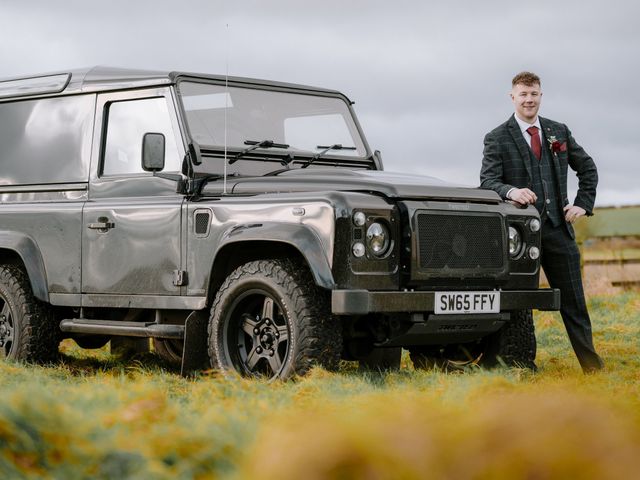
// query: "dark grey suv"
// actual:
[[246, 225]]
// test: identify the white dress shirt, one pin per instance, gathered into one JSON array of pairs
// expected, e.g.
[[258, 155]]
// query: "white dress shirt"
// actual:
[[523, 128]]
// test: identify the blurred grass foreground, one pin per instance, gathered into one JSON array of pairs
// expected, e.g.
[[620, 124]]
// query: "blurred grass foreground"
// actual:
[[98, 416]]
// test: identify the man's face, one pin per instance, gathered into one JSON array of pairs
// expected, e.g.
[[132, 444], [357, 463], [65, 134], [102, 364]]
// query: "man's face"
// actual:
[[526, 100]]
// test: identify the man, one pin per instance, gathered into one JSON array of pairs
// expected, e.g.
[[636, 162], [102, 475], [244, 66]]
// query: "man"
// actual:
[[525, 161]]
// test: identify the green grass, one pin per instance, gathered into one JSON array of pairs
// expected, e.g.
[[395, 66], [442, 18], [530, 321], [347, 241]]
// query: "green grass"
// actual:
[[623, 254], [613, 222], [98, 416]]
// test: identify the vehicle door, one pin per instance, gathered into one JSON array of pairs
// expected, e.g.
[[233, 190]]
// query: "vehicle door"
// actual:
[[132, 221]]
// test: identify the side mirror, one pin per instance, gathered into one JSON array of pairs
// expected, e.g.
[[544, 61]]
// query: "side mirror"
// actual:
[[153, 152]]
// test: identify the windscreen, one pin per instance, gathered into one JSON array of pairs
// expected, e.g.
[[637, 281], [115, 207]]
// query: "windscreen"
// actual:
[[298, 123]]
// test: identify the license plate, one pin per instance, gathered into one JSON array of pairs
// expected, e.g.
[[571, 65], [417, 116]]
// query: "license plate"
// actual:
[[467, 302]]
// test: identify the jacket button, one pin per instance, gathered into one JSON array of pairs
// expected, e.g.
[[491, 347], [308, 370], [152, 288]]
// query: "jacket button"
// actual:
[[548, 201]]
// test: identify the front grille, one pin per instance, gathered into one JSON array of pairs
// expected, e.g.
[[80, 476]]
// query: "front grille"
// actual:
[[459, 242]]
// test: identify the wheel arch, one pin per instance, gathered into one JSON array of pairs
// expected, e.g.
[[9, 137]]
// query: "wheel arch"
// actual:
[[263, 241], [21, 250]]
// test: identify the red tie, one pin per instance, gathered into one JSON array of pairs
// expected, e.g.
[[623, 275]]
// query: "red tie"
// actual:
[[536, 147]]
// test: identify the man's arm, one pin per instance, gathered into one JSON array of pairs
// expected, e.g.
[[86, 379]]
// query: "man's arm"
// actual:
[[586, 171], [491, 173]]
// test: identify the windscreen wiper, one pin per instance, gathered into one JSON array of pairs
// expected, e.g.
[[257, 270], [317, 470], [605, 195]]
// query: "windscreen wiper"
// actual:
[[196, 184], [325, 149], [254, 145]]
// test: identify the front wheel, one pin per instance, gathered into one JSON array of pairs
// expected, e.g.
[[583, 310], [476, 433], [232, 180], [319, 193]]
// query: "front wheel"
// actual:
[[270, 320]]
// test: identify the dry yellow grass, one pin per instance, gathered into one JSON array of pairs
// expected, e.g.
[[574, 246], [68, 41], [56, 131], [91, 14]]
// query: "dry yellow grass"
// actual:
[[414, 436], [96, 416]]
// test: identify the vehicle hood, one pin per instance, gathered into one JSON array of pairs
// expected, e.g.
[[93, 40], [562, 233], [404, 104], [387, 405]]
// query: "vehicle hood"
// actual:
[[389, 184]]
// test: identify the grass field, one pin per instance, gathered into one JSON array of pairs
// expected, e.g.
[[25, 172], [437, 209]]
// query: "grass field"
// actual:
[[98, 416], [613, 222]]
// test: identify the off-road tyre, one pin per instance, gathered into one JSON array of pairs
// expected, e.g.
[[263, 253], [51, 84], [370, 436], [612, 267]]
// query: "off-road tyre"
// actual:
[[382, 359], [514, 345], [28, 332], [301, 334], [169, 350]]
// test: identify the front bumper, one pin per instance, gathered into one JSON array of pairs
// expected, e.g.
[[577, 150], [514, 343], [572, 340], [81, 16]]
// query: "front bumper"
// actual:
[[362, 302]]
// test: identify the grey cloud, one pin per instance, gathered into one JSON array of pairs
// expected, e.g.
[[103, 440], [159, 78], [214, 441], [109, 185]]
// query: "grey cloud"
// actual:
[[429, 78]]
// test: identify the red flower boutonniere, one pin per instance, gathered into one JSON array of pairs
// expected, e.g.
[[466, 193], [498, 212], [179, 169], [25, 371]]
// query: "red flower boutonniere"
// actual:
[[556, 146]]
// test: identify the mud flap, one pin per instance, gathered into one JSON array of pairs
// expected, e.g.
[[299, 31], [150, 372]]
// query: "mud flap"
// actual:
[[194, 353]]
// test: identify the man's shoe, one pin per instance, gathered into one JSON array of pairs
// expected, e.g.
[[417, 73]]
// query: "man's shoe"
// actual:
[[591, 369]]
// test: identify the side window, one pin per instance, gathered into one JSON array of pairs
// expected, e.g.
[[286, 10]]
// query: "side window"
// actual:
[[46, 140], [127, 122]]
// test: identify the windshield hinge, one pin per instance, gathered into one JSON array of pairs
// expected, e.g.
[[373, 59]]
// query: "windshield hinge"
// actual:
[[180, 278]]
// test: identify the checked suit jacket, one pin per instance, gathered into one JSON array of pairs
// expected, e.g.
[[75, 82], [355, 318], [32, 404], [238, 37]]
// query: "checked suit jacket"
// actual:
[[506, 163]]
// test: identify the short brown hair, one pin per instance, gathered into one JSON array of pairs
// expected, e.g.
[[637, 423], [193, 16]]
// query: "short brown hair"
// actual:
[[525, 78]]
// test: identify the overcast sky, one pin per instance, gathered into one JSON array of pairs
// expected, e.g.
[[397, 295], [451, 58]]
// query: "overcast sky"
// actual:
[[428, 78]]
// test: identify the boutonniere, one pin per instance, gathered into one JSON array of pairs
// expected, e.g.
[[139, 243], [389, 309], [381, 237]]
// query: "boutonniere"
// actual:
[[556, 146]]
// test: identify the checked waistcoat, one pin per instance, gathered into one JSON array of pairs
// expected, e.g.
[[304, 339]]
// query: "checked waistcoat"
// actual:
[[544, 186]]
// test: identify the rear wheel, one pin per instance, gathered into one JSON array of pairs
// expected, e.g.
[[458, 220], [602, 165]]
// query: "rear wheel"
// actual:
[[382, 359], [27, 329], [169, 350], [270, 320]]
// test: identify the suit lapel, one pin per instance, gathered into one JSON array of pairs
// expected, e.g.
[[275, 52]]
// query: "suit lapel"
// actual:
[[521, 143]]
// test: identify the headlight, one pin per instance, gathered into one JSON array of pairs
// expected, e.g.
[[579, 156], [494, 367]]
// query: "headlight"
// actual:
[[358, 249], [534, 225], [378, 239], [359, 219], [534, 253], [515, 242]]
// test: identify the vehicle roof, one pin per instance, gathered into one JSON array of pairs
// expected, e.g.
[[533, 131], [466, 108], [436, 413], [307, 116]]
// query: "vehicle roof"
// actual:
[[101, 78]]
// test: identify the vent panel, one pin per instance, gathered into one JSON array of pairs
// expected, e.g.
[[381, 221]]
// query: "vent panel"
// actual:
[[202, 221]]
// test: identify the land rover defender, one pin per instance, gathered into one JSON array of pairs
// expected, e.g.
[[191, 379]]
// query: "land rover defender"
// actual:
[[245, 225]]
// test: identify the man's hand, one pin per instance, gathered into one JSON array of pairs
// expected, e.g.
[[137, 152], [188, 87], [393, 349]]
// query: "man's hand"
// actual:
[[573, 212], [523, 196]]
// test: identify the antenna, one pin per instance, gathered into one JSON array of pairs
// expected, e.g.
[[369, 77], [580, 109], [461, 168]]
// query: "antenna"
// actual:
[[226, 108]]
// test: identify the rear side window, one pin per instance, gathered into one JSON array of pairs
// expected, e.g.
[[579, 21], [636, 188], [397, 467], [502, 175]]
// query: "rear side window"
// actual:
[[46, 141], [127, 123]]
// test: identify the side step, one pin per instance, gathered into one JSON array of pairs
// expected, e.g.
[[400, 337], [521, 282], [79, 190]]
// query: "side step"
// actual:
[[127, 329]]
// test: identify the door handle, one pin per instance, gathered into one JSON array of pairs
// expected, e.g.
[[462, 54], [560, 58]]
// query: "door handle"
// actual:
[[103, 224]]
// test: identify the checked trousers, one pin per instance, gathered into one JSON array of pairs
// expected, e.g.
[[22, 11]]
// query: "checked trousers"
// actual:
[[561, 264]]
